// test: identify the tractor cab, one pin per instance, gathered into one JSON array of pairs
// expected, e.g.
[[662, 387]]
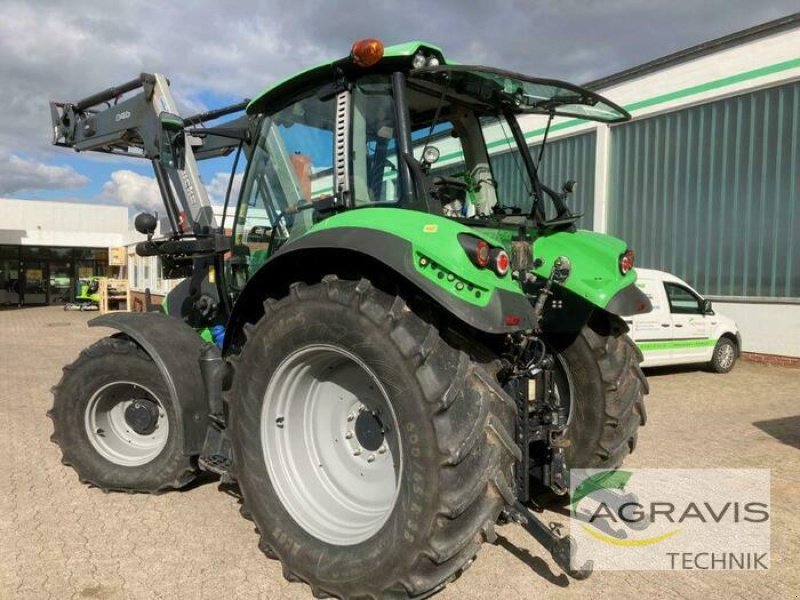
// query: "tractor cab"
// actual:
[[400, 128]]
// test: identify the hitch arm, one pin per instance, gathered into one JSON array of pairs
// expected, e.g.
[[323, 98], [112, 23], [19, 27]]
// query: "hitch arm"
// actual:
[[561, 548]]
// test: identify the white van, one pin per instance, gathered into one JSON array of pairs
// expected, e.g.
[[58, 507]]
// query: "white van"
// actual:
[[682, 328]]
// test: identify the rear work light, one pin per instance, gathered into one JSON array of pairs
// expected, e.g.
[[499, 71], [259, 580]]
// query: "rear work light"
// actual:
[[483, 255], [626, 260]]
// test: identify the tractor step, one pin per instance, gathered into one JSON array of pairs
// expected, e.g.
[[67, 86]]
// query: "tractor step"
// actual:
[[216, 463]]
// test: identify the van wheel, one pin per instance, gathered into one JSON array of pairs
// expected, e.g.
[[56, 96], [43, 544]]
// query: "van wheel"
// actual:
[[724, 356]]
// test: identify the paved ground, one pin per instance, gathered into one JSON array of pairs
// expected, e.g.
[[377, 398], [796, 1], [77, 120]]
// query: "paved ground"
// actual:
[[60, 539]]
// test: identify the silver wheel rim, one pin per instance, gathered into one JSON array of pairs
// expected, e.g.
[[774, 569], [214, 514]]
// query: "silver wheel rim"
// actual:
[[726, 356], [320, 444], [112, 435]]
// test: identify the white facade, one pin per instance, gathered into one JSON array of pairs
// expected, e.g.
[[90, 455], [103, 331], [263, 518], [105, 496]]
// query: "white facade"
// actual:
[[53, 223]]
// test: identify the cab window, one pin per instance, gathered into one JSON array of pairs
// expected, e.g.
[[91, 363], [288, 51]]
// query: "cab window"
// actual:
[[375, 157], [682, 300], [291, 168]]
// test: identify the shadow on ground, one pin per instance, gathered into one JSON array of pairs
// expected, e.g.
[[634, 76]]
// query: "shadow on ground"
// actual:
[[676, 370], [785, 430], [536, 563]]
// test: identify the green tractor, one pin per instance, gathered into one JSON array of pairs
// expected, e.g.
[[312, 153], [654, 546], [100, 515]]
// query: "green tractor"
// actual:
[[389, 352]]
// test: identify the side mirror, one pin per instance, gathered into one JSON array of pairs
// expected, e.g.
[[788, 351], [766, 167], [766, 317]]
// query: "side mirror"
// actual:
[[171, 141], [708, 309]]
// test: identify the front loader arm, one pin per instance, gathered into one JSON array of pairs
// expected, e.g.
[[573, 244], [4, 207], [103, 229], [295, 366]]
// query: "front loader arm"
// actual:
[[127, 120]]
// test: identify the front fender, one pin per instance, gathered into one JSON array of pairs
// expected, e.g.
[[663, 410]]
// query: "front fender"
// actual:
[[175, 349]]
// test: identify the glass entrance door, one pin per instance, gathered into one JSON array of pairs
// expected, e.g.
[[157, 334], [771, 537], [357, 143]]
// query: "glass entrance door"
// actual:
[[9, 281], [60, 282], [34, 282]]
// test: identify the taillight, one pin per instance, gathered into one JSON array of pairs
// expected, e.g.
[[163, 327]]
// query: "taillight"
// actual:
[[500, 261], [483, 255], [626, 260]]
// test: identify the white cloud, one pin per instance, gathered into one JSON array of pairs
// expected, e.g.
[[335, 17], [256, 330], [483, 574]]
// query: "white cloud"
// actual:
[[134, 190], [18, 174], [218, 186]]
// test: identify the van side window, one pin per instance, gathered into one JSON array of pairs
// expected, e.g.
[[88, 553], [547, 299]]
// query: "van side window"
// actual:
[[682, 300]]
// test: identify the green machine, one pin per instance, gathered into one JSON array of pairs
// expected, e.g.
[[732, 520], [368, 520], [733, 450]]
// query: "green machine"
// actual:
[[397, 352], [87, 297]]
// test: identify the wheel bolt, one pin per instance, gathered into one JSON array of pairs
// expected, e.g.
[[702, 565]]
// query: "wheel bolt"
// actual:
[[348, 435], [382, 450], [357, 452], [350, 417], [371, 458]]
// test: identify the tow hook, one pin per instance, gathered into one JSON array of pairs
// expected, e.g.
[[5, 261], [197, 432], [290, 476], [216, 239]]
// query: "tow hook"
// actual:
[[561, 548]]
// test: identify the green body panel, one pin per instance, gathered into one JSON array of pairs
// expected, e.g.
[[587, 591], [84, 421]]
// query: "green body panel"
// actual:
[[435, 239], [595, 273], [407, 49]]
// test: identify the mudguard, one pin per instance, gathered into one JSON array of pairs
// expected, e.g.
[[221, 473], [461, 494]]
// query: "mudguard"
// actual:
[[175, 348], [475, 296]]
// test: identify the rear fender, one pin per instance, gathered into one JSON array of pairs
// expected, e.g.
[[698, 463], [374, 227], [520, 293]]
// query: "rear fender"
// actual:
[[345, 250], [595, 275], [175, 348]]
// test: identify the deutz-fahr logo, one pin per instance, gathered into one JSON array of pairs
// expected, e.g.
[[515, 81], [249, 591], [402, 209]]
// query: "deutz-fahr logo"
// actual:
[[121, 116]]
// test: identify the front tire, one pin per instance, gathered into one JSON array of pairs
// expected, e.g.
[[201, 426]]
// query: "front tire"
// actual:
[[311, 363], [724, 357], [114, 421]]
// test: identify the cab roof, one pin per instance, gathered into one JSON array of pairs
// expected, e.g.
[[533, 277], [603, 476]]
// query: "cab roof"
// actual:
[[317, 75]]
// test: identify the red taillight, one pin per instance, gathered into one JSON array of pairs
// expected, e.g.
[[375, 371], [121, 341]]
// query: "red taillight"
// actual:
[[482, 253], [511, 320], [501, 262], [626, 261]]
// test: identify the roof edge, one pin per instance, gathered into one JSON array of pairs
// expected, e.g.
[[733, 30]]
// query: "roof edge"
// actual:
[[727, 41]]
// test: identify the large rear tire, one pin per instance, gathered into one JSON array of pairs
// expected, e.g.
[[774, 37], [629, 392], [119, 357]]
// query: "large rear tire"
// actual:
[[114, 421], [373, 454], [607, 389]]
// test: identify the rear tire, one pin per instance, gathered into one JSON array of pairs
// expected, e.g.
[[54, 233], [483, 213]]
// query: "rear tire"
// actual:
[[92, 420], [608, 389], [724, 357], [451, 450]]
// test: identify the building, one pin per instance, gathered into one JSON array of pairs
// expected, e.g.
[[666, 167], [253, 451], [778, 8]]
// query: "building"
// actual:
[[46, 247], [704, 181]]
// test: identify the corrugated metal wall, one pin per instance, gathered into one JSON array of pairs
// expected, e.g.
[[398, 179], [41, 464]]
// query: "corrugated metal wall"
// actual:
[[566, 158], [711, 194]]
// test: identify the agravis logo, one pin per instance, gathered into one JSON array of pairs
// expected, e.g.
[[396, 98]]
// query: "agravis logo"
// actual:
[[662, 518]]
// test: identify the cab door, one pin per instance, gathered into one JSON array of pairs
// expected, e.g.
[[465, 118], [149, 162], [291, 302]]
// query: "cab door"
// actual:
[[691, 327], [652, 331]]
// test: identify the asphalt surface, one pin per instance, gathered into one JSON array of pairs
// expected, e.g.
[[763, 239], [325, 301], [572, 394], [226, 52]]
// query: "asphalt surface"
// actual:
[[61, 539]]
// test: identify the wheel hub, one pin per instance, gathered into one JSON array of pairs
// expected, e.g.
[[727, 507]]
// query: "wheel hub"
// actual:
[[142, 416], [369, 430]]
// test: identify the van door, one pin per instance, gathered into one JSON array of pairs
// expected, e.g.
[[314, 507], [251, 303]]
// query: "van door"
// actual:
[[691, 328], [652, 331]]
